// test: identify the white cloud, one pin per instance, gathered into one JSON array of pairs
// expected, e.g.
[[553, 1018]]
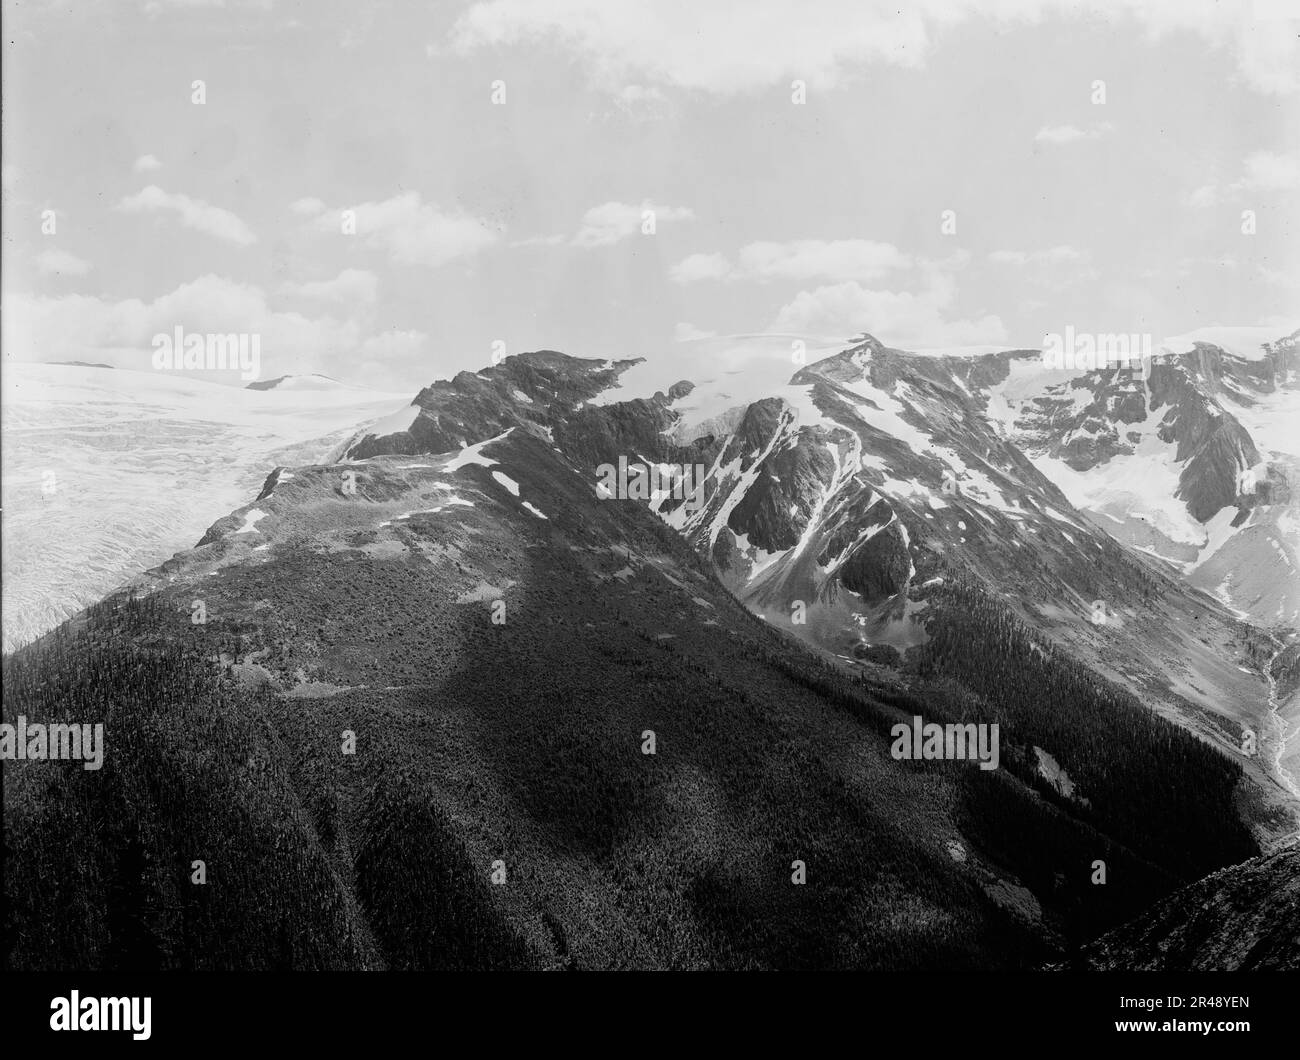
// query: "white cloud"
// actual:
[[608, 223], [1185, 265], [385, 357], [702, 45], [1264, 171], [146, 164], [413, 232], [1057, 269], [803, 259], [1059, 134], [160, 8], [351, 286], [49, 328], [1067, 134], [1288, 281], [800, 259], [55, 262], [1270, 171], [635, 94], [900, 318], [308, 207], [684, 332], [393, 345], [1061, 255], [193, 213], [540, 241], [705, 45], [698, 267], [640, 103]]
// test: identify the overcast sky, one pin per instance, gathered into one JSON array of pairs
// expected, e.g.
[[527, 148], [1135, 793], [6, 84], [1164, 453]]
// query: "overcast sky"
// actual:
[[522, 221]]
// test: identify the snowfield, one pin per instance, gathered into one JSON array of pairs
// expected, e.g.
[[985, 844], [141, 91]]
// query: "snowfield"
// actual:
[[109, 471], [1246, 342]]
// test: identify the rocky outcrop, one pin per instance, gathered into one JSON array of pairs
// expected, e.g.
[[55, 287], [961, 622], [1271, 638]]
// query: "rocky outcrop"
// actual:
[[1243, 918]]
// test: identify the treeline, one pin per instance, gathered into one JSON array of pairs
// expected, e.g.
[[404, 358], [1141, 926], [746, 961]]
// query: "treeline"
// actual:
[[1148, 783]]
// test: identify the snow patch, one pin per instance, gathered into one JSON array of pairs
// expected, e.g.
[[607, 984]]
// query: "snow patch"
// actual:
[[473, 454], [251, 518], [507, 482]]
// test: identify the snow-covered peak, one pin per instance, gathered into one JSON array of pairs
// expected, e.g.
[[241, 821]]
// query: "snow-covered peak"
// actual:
[[313, 382], [1244, 342]]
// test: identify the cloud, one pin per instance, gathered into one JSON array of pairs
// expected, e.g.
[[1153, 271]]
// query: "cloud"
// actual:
[[1056, 269], [155, 8], [393, 343], [698, 267], [800, 259], [1287, 280], [1270, 171], [902, 318], [1185, 265], [351, 286], [146, 164], [307, 207], [642, 102], [1262, 171], [604, 225], [55, 262], [89, 327], [1061, 255], [1067, 134], [847, 305], [684, 332], [412, 232], [607, 224], [631, 95], [386, 358], [703, 46], [193, 213], [540, 241]]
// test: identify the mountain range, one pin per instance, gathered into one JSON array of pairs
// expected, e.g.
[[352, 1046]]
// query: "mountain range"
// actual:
[[438, 699]]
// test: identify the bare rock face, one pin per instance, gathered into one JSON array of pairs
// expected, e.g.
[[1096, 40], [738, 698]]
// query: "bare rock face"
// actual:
[[1210, 440], [1243, 918], [775, 511], [1091, 419], [880, 567], [531, 390]]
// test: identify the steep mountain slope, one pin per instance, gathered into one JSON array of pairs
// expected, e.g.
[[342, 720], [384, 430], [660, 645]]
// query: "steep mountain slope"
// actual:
[[1189, 456], [1243, 918], [108, 471], [502, 643], [1257, 569], [862, 508]]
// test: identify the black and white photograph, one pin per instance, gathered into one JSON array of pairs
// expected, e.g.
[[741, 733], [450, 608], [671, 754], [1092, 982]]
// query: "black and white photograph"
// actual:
[[628, 486]]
